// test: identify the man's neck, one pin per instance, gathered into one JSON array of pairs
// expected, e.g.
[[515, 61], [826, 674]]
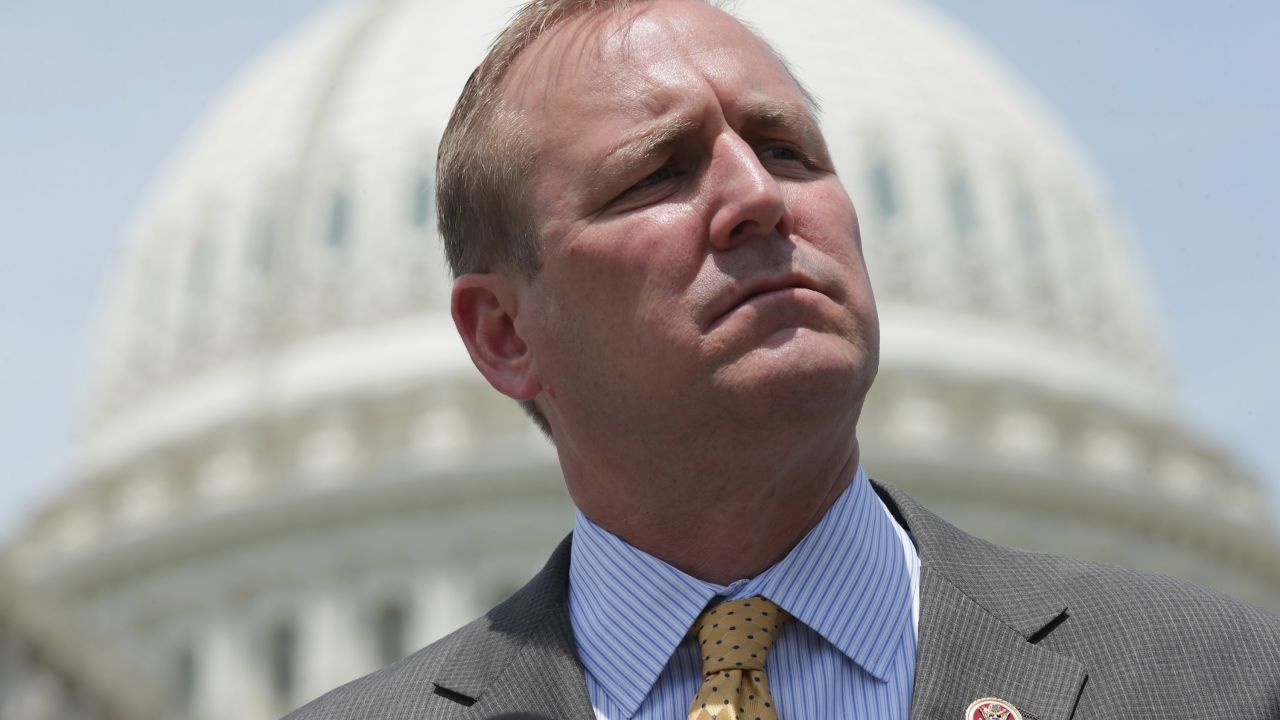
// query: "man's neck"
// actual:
[[718, 517]]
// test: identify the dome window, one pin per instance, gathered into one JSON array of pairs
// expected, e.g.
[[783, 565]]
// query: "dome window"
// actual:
[[964, 214], [282, 659], [1026, 219], [1030, 236], [884, 193], [199, 284], [184, 679], [424, 202], [200, 271], [1082, 235], [339, 235], [390, 626], [262, 252]]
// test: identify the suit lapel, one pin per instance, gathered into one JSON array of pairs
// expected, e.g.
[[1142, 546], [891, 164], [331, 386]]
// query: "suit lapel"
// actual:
[[522, 662], [966, 653], [983, 612]]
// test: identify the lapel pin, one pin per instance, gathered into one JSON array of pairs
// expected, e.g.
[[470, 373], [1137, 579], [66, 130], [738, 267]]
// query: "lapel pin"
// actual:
[[992, 709]]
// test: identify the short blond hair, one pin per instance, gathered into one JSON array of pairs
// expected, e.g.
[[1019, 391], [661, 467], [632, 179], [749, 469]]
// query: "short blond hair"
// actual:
[[485, 156]]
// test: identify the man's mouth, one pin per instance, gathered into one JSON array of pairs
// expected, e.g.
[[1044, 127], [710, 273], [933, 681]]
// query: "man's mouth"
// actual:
[[756, 289]]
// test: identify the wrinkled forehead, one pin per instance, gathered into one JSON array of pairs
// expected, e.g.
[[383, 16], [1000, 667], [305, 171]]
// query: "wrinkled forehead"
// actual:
[[600, 49]]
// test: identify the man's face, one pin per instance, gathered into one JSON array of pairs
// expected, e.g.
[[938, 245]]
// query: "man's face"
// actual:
[[700, 259]]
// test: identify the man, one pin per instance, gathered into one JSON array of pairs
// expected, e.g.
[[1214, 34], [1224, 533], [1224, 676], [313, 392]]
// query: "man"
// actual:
[[653, 253]]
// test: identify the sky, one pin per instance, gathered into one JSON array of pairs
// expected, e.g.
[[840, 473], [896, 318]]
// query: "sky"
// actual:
[[1173, 101]]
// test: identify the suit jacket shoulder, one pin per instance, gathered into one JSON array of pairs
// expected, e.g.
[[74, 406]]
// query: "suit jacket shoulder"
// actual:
[[518, 661], [1062, 638]]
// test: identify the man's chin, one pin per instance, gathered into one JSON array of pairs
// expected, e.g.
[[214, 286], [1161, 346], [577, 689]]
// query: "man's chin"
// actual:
[[798, 370]]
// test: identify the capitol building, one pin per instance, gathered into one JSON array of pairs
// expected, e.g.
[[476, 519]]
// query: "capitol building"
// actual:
[[291, 474]]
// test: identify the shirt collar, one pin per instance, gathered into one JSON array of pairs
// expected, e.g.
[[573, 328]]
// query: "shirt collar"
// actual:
[[846, 579], [629, 610]]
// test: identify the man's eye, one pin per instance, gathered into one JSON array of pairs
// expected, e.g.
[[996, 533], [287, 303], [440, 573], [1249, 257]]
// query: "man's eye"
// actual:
[[650, 188], [782, 153], [662, 174]]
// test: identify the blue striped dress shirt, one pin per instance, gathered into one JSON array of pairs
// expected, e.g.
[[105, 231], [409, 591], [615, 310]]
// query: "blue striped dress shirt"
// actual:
[[851, 586]]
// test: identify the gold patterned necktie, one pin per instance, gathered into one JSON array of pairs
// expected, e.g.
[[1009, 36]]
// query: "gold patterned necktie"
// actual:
[[733, 641]]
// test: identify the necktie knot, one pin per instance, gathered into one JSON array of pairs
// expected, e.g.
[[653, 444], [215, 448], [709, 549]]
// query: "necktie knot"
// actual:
[[737, 635]]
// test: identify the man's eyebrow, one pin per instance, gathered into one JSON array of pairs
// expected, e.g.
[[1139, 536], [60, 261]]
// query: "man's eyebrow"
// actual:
[[647, 142], [789, 116], [663, 133]]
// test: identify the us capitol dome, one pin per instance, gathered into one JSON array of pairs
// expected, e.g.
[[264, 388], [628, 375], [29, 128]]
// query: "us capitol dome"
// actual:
[[291, 473]]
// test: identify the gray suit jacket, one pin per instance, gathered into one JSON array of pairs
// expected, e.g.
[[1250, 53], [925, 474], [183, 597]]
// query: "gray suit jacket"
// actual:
[[1058, 638]]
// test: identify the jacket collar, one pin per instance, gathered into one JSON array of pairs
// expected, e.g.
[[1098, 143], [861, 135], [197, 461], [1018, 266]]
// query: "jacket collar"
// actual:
[[520, 659], [983, 611]]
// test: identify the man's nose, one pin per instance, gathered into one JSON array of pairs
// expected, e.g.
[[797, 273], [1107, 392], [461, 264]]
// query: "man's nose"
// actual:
[[748, 201]]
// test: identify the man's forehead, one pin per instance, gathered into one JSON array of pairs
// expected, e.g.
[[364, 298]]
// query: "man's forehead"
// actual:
[[598, 48]]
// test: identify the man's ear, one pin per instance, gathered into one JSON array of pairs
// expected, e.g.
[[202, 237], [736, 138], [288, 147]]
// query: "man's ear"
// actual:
[[485, 306]]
